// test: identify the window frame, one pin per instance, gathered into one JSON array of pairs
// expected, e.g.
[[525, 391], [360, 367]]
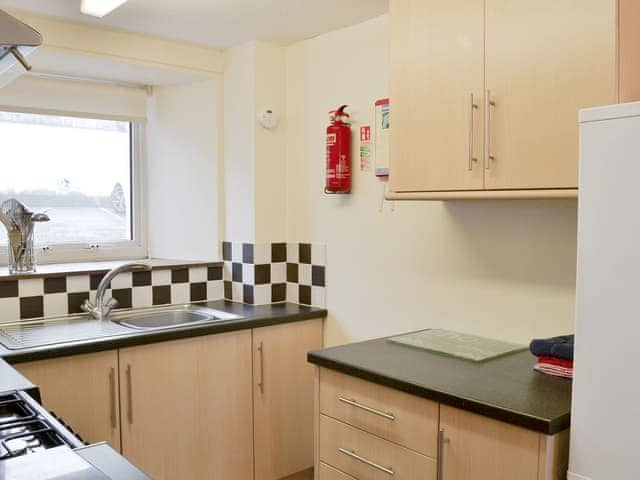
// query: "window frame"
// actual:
[[137, 248]]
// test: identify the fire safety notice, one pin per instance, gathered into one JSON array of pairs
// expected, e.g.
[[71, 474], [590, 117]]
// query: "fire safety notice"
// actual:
[[365, 148]]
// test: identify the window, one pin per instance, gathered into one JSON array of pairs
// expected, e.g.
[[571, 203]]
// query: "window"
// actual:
[[83, 173]]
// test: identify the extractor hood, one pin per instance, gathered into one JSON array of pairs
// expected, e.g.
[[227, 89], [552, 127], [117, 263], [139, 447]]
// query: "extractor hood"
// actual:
[[17, 40]]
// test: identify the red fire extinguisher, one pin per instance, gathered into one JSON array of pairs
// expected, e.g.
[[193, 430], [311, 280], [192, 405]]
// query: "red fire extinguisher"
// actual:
[[338, 153]]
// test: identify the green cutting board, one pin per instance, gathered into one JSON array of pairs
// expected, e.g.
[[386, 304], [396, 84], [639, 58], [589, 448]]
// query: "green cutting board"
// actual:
[[460, 345]]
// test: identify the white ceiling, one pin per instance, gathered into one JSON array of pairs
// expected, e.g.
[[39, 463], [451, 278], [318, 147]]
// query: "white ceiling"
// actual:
[[219, 23]]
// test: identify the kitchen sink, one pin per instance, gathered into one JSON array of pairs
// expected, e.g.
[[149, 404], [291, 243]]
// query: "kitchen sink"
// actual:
[[169, 317], [76, 328]]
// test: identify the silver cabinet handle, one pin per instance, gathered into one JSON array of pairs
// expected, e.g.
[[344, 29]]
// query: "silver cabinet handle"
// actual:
[[440, 467], [261, 352], [353, 403], [112, 393], [488, 103], [129, 396], [472, 107], [366, 461]]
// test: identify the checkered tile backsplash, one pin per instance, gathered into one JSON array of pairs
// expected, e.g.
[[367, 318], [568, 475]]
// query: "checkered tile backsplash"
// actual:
[[63, 294], [262, 273]]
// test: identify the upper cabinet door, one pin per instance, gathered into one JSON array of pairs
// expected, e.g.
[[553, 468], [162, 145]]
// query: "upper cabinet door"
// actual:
[[545, 60], [437, 66]]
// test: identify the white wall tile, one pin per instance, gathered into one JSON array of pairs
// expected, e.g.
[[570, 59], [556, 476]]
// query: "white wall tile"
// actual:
[[55, 304], [9, 309], [292, 253], [30, 287], [180, 293], [236, 292], [215, 290], [122, 280], [236, 252], [318, 254], [226, 271], [248, 274], [142, 297], [262, 253], [304, 274], [278, 272], [262, 294], [318, 297], [78, 283], [292, 292], [161, 277], [197, 274]]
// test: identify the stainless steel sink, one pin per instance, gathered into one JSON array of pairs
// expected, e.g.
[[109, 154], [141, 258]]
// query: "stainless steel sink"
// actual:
[[169, 317]]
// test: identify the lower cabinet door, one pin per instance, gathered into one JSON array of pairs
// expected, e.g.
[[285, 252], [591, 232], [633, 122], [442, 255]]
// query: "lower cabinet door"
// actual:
[[186, 407], [83, 391], [366, 456], [480, 448], [283, 398]]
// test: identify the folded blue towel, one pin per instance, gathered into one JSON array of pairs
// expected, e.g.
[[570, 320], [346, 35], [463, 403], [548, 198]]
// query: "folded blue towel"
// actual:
[[559, 347]]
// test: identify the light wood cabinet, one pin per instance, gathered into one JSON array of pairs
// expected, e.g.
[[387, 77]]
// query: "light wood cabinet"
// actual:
[[397, 416], [236, 405], [467, 446], [187, 407], [83, 391], [327, 472], [477, 447], [545, 60], [365, 456], [283, 398], [435, 71], [531, 65]]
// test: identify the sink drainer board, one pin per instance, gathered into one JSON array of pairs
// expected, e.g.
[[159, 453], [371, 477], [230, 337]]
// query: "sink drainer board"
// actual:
[[460, 345], [43, 333]]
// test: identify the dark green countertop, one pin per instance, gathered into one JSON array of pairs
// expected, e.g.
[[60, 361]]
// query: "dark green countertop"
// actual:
[[252, 316], [506, 388]]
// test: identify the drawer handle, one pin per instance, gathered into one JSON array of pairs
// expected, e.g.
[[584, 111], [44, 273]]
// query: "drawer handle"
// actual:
[[353, 403], [366, 461]]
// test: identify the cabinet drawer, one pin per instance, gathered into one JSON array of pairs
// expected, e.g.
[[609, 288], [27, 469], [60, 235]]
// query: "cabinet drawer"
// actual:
[[396, 416], [329, 473], [366, 456]]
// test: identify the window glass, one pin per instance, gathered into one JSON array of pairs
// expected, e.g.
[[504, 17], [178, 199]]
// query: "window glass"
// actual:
[[77, 170]]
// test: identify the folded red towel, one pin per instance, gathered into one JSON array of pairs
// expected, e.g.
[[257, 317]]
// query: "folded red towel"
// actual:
[[554, 370], [560, 362]]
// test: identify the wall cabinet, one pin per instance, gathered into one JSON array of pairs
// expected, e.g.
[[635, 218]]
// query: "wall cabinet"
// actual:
[[83, 391], [283, 399], [202, 407], [485, 94], [367, 431]]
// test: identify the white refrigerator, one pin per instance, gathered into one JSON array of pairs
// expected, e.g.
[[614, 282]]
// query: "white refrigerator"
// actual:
[[605, 418]]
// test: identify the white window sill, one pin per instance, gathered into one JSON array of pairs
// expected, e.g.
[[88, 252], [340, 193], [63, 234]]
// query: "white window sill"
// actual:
[[59, 269]]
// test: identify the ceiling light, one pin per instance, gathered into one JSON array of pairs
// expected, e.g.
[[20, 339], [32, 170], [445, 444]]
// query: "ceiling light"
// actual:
[[99, 8]]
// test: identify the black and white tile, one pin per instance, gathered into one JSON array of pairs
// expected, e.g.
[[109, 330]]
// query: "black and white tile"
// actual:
[[306, 274], [264, 273], [55, 295]]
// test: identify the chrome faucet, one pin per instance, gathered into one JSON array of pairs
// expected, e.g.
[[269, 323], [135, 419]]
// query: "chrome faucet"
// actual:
[[100, 309], [19, 221]]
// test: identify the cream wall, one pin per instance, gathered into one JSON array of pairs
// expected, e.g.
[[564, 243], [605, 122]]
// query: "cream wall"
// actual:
[[503, 269], [254, 81], [183, 181]]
